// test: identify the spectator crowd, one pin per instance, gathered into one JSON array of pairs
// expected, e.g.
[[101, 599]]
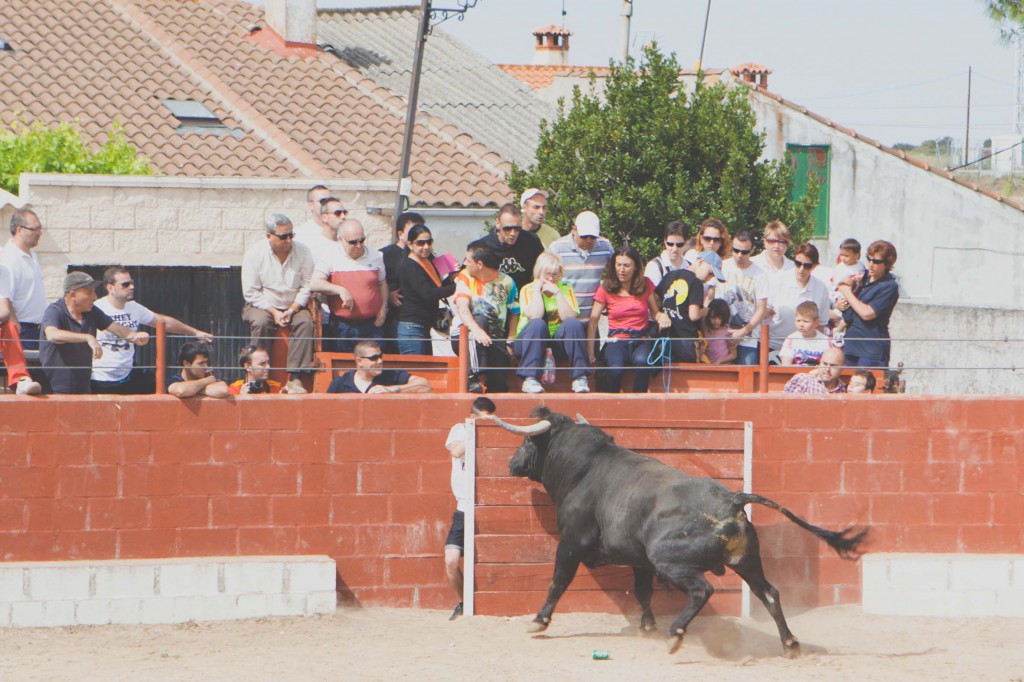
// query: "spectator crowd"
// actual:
[[532, 302]]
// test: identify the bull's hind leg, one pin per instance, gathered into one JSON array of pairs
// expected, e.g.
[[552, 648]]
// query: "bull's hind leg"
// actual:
[[750, 569], [566, 563], [643, 585], [698, 590]]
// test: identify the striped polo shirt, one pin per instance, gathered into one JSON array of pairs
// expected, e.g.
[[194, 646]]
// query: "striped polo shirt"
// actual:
[[583, 268]]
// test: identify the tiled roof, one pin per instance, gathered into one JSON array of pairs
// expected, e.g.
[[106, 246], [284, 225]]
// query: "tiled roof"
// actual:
[[101, 61], [538, 77], [553, 29], [756, 91], [456, 84]]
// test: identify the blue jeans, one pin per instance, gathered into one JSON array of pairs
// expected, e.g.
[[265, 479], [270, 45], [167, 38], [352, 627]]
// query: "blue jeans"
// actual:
[[622, 353], [414, 339], [570, 343], [746, 355], [341, 335]]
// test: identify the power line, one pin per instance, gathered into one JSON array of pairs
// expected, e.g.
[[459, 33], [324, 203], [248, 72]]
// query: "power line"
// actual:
[[902, 86]]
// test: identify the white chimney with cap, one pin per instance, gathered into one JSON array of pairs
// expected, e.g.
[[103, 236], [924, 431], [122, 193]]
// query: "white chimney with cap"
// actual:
[[293, 20]]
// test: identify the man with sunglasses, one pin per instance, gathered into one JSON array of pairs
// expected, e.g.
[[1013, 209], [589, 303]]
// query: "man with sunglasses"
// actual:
[[332, 214], [275, 285], [354, 280], [822, 379], [25, 297], [517, 248], [746, 290], [308, 231], [369, 376], [584, 254], [114, 371]]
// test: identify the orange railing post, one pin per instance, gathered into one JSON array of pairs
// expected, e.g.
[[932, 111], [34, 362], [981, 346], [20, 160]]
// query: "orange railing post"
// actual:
[[161, 357], [762, 380], [463, 359]]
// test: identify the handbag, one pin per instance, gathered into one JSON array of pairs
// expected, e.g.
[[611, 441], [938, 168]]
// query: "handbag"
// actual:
[[443, 321]]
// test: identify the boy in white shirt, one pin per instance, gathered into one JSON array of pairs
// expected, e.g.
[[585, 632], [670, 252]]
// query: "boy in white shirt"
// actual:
[[806, 344], [849, 265]]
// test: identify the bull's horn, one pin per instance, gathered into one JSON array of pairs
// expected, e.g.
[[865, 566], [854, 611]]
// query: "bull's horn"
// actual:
[[580, 419], [532, 430]]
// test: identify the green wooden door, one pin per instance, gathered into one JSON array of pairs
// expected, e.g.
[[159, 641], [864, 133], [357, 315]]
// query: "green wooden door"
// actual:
[[810, 165]]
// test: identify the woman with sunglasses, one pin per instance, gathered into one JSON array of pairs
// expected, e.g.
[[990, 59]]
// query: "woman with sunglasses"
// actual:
[[866, 305], [671, 258], [776, 240], [711, 236], [422, 290], [787, 290]]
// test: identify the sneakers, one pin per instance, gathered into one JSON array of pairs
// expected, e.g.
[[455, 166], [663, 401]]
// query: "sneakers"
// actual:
[[26, 386], [474, 385], [580, 385], [531, 385], [295, 387], [457, 612]]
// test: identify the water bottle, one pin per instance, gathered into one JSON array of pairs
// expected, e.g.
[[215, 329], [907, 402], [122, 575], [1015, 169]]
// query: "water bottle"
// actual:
[[548, 377]]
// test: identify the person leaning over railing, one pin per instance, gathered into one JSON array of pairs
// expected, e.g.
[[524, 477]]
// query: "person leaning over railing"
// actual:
[[867, 305], [195, 377], [548, 310], [629, 298], [422, 290], [369, 376]]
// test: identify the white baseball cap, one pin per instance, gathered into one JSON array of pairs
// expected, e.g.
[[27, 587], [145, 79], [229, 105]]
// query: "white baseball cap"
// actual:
[[531, 193], [587, 224]]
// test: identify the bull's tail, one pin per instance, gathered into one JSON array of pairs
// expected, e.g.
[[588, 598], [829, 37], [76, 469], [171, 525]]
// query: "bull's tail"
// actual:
[[846, 542]]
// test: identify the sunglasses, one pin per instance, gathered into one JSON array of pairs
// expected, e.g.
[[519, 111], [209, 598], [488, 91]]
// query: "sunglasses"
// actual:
[[423, 242], [876, 261], [354, 242], [775, 241], [742, 252], [127, 285], [340, 212], [710, 239], [373, 358], [801, 264], [511, 228], [677, 245], [286, 236]]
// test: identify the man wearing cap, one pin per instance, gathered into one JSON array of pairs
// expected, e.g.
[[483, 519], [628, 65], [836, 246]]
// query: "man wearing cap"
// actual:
[[517, 249], [534, 204], [68, 343], [682, 299], [584, 254]]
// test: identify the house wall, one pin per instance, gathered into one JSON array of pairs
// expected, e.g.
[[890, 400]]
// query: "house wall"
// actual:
[[152, 220], [365, 480], [950, 239]]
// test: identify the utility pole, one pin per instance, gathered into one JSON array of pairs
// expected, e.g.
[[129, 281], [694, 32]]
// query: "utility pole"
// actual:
[[704, 37], [627, 13], [967, 134], [404, 181]]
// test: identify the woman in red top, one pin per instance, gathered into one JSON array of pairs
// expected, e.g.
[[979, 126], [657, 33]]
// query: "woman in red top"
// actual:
[[629, 298]]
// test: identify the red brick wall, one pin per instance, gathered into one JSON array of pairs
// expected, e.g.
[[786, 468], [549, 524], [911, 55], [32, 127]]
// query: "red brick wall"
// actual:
[[365, 480]]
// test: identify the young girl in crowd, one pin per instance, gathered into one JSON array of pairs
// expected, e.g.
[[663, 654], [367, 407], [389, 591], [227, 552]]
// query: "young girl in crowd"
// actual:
[[716, 333]]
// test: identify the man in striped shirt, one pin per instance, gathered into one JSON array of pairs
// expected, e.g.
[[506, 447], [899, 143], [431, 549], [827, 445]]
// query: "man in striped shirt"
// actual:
[[584, 253]]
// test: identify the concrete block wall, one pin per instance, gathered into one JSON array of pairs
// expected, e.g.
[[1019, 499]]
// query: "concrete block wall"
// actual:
[[365, 481], [948, 585], [154, 220], [62, 593]]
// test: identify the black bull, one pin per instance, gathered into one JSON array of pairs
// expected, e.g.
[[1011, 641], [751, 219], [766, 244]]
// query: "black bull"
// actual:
[[617, 507]]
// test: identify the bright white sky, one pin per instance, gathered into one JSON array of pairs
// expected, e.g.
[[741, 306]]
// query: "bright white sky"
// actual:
[[895, 70]]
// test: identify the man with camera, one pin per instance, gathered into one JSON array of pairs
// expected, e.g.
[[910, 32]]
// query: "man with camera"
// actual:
[[255, 360]]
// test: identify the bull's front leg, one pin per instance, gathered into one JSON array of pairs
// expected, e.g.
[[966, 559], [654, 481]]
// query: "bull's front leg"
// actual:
[[567, 561]]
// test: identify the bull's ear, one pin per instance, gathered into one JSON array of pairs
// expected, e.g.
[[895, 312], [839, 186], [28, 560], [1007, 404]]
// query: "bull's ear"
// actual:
[[580, 419], [540, 412]]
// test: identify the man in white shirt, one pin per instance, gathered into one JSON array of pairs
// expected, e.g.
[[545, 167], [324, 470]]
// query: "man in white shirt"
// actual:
[[746, 291], [332, 215], [18, 378], [114, 371], [275, 285], [26, 294], [355, 282], [307, 231]]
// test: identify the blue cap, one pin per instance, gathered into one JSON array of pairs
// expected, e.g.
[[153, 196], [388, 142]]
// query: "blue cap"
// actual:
[[715, 261]]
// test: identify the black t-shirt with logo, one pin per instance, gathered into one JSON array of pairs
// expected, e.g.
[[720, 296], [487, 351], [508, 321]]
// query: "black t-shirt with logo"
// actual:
[[680, 289], [517, 261]]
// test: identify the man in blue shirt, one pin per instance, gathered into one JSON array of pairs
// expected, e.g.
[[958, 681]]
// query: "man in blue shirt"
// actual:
[[369, 376]]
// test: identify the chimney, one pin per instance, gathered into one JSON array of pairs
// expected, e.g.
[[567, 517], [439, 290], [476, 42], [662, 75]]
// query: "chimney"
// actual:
[[754, 74], [293, 20], [552, 48]]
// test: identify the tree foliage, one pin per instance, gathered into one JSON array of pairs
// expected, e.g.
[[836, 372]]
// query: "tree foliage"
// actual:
[[652, 150], [37, 148], [1009, 14]]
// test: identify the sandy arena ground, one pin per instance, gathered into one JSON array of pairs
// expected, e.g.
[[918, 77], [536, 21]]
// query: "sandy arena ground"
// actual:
[[386, 644]]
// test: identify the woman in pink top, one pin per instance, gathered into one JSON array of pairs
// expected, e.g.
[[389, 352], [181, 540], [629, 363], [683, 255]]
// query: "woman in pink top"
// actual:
[[629, 299]]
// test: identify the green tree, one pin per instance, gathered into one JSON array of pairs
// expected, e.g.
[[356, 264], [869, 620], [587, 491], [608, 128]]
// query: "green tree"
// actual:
[[37, 148], [1009, 14], [653, 149]]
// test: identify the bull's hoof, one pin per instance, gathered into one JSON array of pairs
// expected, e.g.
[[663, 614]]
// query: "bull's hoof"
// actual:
[[791, 649], [674, 642], [538, 625], [647, 628]]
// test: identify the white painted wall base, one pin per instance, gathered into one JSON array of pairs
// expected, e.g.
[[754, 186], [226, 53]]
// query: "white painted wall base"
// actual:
[[953, 585], [59, 593]]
